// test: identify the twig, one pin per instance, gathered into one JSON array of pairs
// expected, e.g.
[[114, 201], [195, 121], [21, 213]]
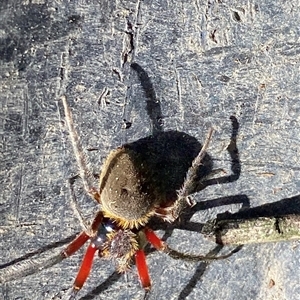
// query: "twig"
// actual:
[[253, 231]]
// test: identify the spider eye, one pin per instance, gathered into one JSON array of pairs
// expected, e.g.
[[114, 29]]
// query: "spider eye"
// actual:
[[99, 241], [109, 227]]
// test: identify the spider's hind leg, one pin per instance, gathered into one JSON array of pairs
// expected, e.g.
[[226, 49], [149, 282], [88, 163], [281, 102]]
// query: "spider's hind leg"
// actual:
[[155, 241]]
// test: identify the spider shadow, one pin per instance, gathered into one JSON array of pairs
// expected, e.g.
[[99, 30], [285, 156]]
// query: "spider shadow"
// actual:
[[153, 107], [114, 277], [46, 248], [184, 220], [154, 113]]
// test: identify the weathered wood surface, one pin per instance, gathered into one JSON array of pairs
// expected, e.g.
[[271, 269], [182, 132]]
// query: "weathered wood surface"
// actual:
[[207, 61]]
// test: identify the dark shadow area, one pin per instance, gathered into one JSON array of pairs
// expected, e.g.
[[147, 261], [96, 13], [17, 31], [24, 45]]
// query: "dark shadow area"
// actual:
[[199, 272], [152, 102], [168, 156], [40, 251], [287, 206], [171, 153], [184, 222], [235, 160], [114, 277]]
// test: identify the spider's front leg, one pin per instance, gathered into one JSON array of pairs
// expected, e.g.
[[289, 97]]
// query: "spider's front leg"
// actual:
[[81, 159], [142, 268], [97, 241]]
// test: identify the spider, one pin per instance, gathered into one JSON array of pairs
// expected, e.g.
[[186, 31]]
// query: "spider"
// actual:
[[130, 193], [135, 185]]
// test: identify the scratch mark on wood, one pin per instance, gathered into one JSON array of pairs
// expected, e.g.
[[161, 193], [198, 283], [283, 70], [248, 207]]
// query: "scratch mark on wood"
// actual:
[[19, 194], [178, 86]]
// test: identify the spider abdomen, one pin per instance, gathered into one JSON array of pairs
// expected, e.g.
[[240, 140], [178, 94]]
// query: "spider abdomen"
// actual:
[[126, 188]]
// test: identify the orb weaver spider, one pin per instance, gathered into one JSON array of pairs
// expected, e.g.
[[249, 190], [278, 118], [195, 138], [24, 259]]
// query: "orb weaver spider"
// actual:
[[137, 183]]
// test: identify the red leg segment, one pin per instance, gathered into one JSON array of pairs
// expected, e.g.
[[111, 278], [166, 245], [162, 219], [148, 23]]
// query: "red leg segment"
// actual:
[[140, 261], [153, 239], [76, 244], [85, 267], [87, 261], [97, 221], [82, 238]]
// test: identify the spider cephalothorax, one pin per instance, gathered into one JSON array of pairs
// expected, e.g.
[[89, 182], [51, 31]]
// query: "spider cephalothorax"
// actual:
[[114, 242]]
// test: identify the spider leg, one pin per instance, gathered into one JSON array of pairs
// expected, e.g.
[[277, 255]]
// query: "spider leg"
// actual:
[[28, 267], [142, 268], [87, 261], [162, 246], [191, 176], [84, 269], [83, 237], [75, 245], [75, 207], [172, 212], [33, 265], [195, 258], [140, 260], [86, 176]]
